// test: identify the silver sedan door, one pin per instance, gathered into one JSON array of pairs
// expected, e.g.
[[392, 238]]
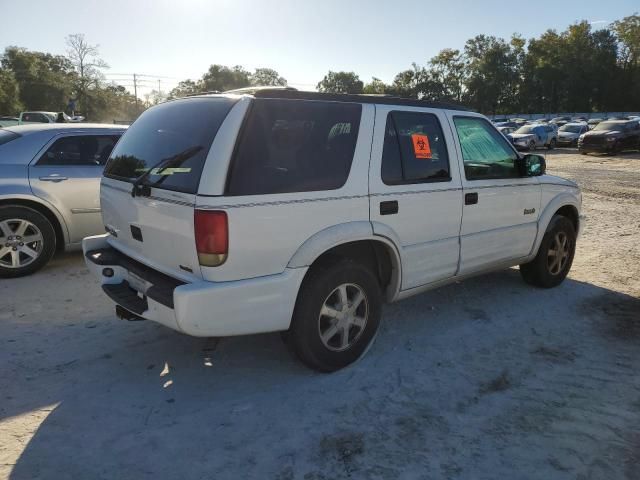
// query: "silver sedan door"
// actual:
[[67, 175]]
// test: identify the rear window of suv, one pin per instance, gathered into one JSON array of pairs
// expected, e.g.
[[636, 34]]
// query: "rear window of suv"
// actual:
[[6, 136], [294, 146], [169, 143]]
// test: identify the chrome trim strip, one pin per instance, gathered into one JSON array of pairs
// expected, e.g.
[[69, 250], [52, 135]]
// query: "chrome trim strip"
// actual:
[[86, 210], [415, 192], [281, 202]]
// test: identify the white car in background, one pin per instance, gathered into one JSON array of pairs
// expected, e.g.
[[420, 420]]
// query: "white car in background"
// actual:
[[537, 135], [47, 117]]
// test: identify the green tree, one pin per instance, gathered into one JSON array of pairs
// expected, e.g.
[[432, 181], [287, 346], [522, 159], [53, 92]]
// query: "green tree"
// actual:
[[184, 88], [9, 93], [375, 87], [267, 77], [220, 78], [447, 73], [409, 83], [492, 74], [627, 32], [340, 82], [45, 81]]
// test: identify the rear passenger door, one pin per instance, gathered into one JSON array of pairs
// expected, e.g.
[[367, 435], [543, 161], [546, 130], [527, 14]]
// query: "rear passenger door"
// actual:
[[415, 191], [501, 207], [68, 176]]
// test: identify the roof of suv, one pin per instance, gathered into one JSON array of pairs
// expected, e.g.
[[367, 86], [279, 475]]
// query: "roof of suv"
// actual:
[[354, 98]]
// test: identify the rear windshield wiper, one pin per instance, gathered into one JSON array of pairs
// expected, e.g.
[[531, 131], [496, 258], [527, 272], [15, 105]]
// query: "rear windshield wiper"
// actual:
[[144, 189]]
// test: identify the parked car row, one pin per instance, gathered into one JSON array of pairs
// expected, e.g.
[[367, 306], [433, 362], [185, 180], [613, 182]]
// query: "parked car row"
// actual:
[[589, 136], [26, 118]]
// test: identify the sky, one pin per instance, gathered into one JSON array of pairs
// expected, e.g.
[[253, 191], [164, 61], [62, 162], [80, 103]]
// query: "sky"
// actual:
[[301, 39]]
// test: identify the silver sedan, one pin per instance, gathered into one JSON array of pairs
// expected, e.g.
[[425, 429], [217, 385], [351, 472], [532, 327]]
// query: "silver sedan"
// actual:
[[49, 190]]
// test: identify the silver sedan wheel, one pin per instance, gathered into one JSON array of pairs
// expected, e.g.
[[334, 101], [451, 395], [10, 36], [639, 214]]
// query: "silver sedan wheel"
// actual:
[[558, 253], [21, 243], [343, 317]]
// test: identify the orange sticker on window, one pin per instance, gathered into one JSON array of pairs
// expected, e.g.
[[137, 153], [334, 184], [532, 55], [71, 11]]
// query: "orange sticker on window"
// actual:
[[421, 148]]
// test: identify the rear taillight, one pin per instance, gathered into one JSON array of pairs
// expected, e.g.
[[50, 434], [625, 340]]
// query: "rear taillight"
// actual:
[[212, 236]]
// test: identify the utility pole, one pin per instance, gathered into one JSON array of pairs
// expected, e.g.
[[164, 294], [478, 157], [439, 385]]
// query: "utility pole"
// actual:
[[135, 90], [159, 92]]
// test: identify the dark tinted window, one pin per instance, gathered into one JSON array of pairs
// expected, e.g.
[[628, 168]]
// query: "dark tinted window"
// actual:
[[172, 141], [294, 146], [486, 153], [414, 149], [79, 150], [6, 136], [34, 117]]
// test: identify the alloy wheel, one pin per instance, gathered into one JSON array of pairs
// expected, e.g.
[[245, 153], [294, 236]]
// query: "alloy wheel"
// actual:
[[21, 243], [558, 253], [343, 317]]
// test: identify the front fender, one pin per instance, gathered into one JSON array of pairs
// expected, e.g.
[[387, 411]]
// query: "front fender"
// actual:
[[559, 201]]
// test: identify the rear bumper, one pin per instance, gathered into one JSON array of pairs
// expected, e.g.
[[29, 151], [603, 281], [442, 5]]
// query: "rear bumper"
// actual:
[[202, 309]]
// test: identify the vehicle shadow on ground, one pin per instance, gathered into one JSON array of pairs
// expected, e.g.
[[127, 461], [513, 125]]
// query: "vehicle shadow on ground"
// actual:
[[142, 401]]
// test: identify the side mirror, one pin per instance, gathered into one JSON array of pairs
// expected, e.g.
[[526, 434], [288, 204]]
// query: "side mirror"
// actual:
[[533, 165]]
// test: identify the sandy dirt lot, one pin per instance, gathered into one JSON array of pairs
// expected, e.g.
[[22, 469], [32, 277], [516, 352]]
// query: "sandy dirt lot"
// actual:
[[485, 379]]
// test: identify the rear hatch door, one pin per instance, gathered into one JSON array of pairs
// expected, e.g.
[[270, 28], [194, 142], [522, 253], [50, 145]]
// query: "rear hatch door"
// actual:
[[150, 183]]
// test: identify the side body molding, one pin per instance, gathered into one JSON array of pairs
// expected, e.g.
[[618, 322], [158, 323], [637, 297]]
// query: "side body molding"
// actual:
[[343, 233]]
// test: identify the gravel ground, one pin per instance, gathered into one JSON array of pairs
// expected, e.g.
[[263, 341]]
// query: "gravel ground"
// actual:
[[485, 379]]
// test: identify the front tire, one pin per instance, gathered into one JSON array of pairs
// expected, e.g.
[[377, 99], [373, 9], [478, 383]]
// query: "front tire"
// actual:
[[336, 316], [532, 146], [555, 255], [27, 241], [552, 144]]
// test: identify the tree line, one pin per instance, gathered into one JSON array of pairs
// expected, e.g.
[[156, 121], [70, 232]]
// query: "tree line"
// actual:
[[577, 70]]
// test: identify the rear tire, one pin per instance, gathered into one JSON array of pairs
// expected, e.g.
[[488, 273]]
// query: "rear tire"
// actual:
[[555, 255], [27, 241], [336, 316]]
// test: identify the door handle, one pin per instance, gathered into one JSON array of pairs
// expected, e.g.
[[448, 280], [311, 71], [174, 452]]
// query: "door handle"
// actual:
[[471, 198], [389, 208], [54, 178]]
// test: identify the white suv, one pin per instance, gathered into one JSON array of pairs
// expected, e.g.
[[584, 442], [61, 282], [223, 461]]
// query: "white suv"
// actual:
[[303, 212]]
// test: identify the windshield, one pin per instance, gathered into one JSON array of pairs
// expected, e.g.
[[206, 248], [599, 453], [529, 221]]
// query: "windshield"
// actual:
[[527, 129], [570, 128], [169, 143], [608, 126]]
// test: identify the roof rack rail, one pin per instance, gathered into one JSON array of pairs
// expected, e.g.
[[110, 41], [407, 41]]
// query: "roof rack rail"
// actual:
[[293, 94], [209, 92], [257, 88]]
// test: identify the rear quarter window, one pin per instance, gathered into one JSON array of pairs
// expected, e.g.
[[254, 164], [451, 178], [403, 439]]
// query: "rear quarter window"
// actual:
[[294, 146], [169, 143]]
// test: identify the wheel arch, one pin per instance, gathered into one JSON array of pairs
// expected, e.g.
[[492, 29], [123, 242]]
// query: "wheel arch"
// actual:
[[59, 226], [354, 240], [564, 204]]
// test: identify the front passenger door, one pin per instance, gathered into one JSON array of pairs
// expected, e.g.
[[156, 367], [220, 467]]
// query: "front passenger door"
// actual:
[[68, 174], [501, 207]]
